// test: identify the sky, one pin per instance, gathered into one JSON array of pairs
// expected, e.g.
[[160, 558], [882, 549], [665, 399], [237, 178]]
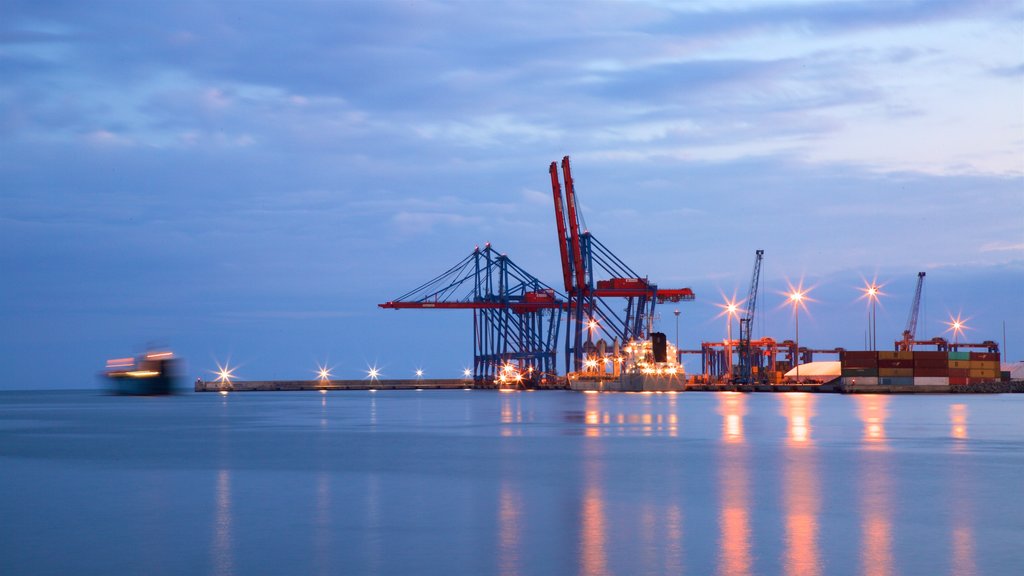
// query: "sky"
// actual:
[[245, 181]]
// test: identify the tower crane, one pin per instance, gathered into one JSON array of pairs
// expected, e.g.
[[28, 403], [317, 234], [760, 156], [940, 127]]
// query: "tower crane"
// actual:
[[906, 344], [746, 356]]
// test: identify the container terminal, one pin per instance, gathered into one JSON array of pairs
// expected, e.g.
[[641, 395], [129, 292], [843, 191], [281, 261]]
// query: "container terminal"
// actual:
[[517, 320]]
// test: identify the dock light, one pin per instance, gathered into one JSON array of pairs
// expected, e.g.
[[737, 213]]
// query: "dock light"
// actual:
[[419, 373], [373, 373], [957, 326], [224, 373], [323, 372], [797, 297], [467, 372], [872, 290]]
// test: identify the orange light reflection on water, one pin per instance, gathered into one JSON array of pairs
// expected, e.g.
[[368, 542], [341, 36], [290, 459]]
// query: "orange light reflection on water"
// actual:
[[593, 555], [734, 478], [876, 522], [873, 412], [801, 498]]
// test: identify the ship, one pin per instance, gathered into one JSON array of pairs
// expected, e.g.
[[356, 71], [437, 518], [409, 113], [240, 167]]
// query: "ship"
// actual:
[[643, 366], [154, 373]]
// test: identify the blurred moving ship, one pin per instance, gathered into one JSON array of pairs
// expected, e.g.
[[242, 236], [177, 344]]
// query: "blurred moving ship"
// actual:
[[149, 374]]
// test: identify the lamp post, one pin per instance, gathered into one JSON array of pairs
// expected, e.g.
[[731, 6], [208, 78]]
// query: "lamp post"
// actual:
[[731, 310], [796, 297], [873, 324], [676, 312]]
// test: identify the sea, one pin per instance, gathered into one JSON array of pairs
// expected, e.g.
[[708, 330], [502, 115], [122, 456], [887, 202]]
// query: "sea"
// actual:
[[482, 482]]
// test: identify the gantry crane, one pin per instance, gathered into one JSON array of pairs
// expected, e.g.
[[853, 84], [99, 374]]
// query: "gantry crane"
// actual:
[[516, 317], [746, 355], [583, 257], [906, 343]]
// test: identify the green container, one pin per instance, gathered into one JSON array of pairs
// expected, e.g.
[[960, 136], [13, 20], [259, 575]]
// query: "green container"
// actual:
[[959, 355]]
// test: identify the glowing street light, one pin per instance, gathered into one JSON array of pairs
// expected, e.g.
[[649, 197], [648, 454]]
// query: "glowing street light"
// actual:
[[373, 373], [872, 291], [466, 372], [419, 373], [956, 326], [797, 296], [224, 373], [730, 309], [323, 372]]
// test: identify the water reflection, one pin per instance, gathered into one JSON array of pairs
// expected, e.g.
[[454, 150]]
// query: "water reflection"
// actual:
[[963, 552], [592, 551], [511, 414], [734, 478], [322, 535], [958, 422], [876, 487], [801, 500], [873, 412], [223, 559], [510, 503], [598, 422]]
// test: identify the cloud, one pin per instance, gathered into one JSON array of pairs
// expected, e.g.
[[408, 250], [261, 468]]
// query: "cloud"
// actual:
[[1002, 246]]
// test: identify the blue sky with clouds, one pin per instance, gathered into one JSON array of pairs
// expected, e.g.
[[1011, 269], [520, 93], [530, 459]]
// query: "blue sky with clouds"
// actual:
[[248, 180]]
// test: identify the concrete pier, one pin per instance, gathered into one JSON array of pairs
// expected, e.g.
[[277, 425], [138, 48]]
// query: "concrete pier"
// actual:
[[297, 385]]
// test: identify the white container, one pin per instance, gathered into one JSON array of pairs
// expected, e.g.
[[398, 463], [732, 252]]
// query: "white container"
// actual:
[[931, 381]]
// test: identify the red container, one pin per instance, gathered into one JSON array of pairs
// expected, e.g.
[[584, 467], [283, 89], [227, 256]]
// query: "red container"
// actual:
[[931, 363], [882, 363], [959, 372], [984, 356], [957, 381], [925, 355], [930, 372]]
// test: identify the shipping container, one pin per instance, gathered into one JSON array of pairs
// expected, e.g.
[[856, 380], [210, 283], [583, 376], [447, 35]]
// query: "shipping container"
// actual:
[[929, 355], [859, 372], [960, 364], [859, 354], [860, 363], [931, 381], [957, 380], [897, 363], [931, 363], [959, 355], [959, 372], [984, 356], [899, 372], [987, 374], [931, 372], [896, 381], [980, 380], [984, 365], [1004, 376], [860, 381], [886, 355]]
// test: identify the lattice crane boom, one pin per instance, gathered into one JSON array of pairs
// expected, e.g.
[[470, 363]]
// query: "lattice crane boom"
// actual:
[[744, 371], [910, 332]]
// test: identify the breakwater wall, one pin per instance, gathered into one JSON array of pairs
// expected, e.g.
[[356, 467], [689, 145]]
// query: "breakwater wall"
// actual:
[[298, 385]]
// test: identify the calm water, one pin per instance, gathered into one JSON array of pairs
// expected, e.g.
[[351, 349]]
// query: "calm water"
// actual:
[[443, 482]]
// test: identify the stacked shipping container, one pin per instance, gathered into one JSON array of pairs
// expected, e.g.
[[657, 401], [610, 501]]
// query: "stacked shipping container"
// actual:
[[920, 368]]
